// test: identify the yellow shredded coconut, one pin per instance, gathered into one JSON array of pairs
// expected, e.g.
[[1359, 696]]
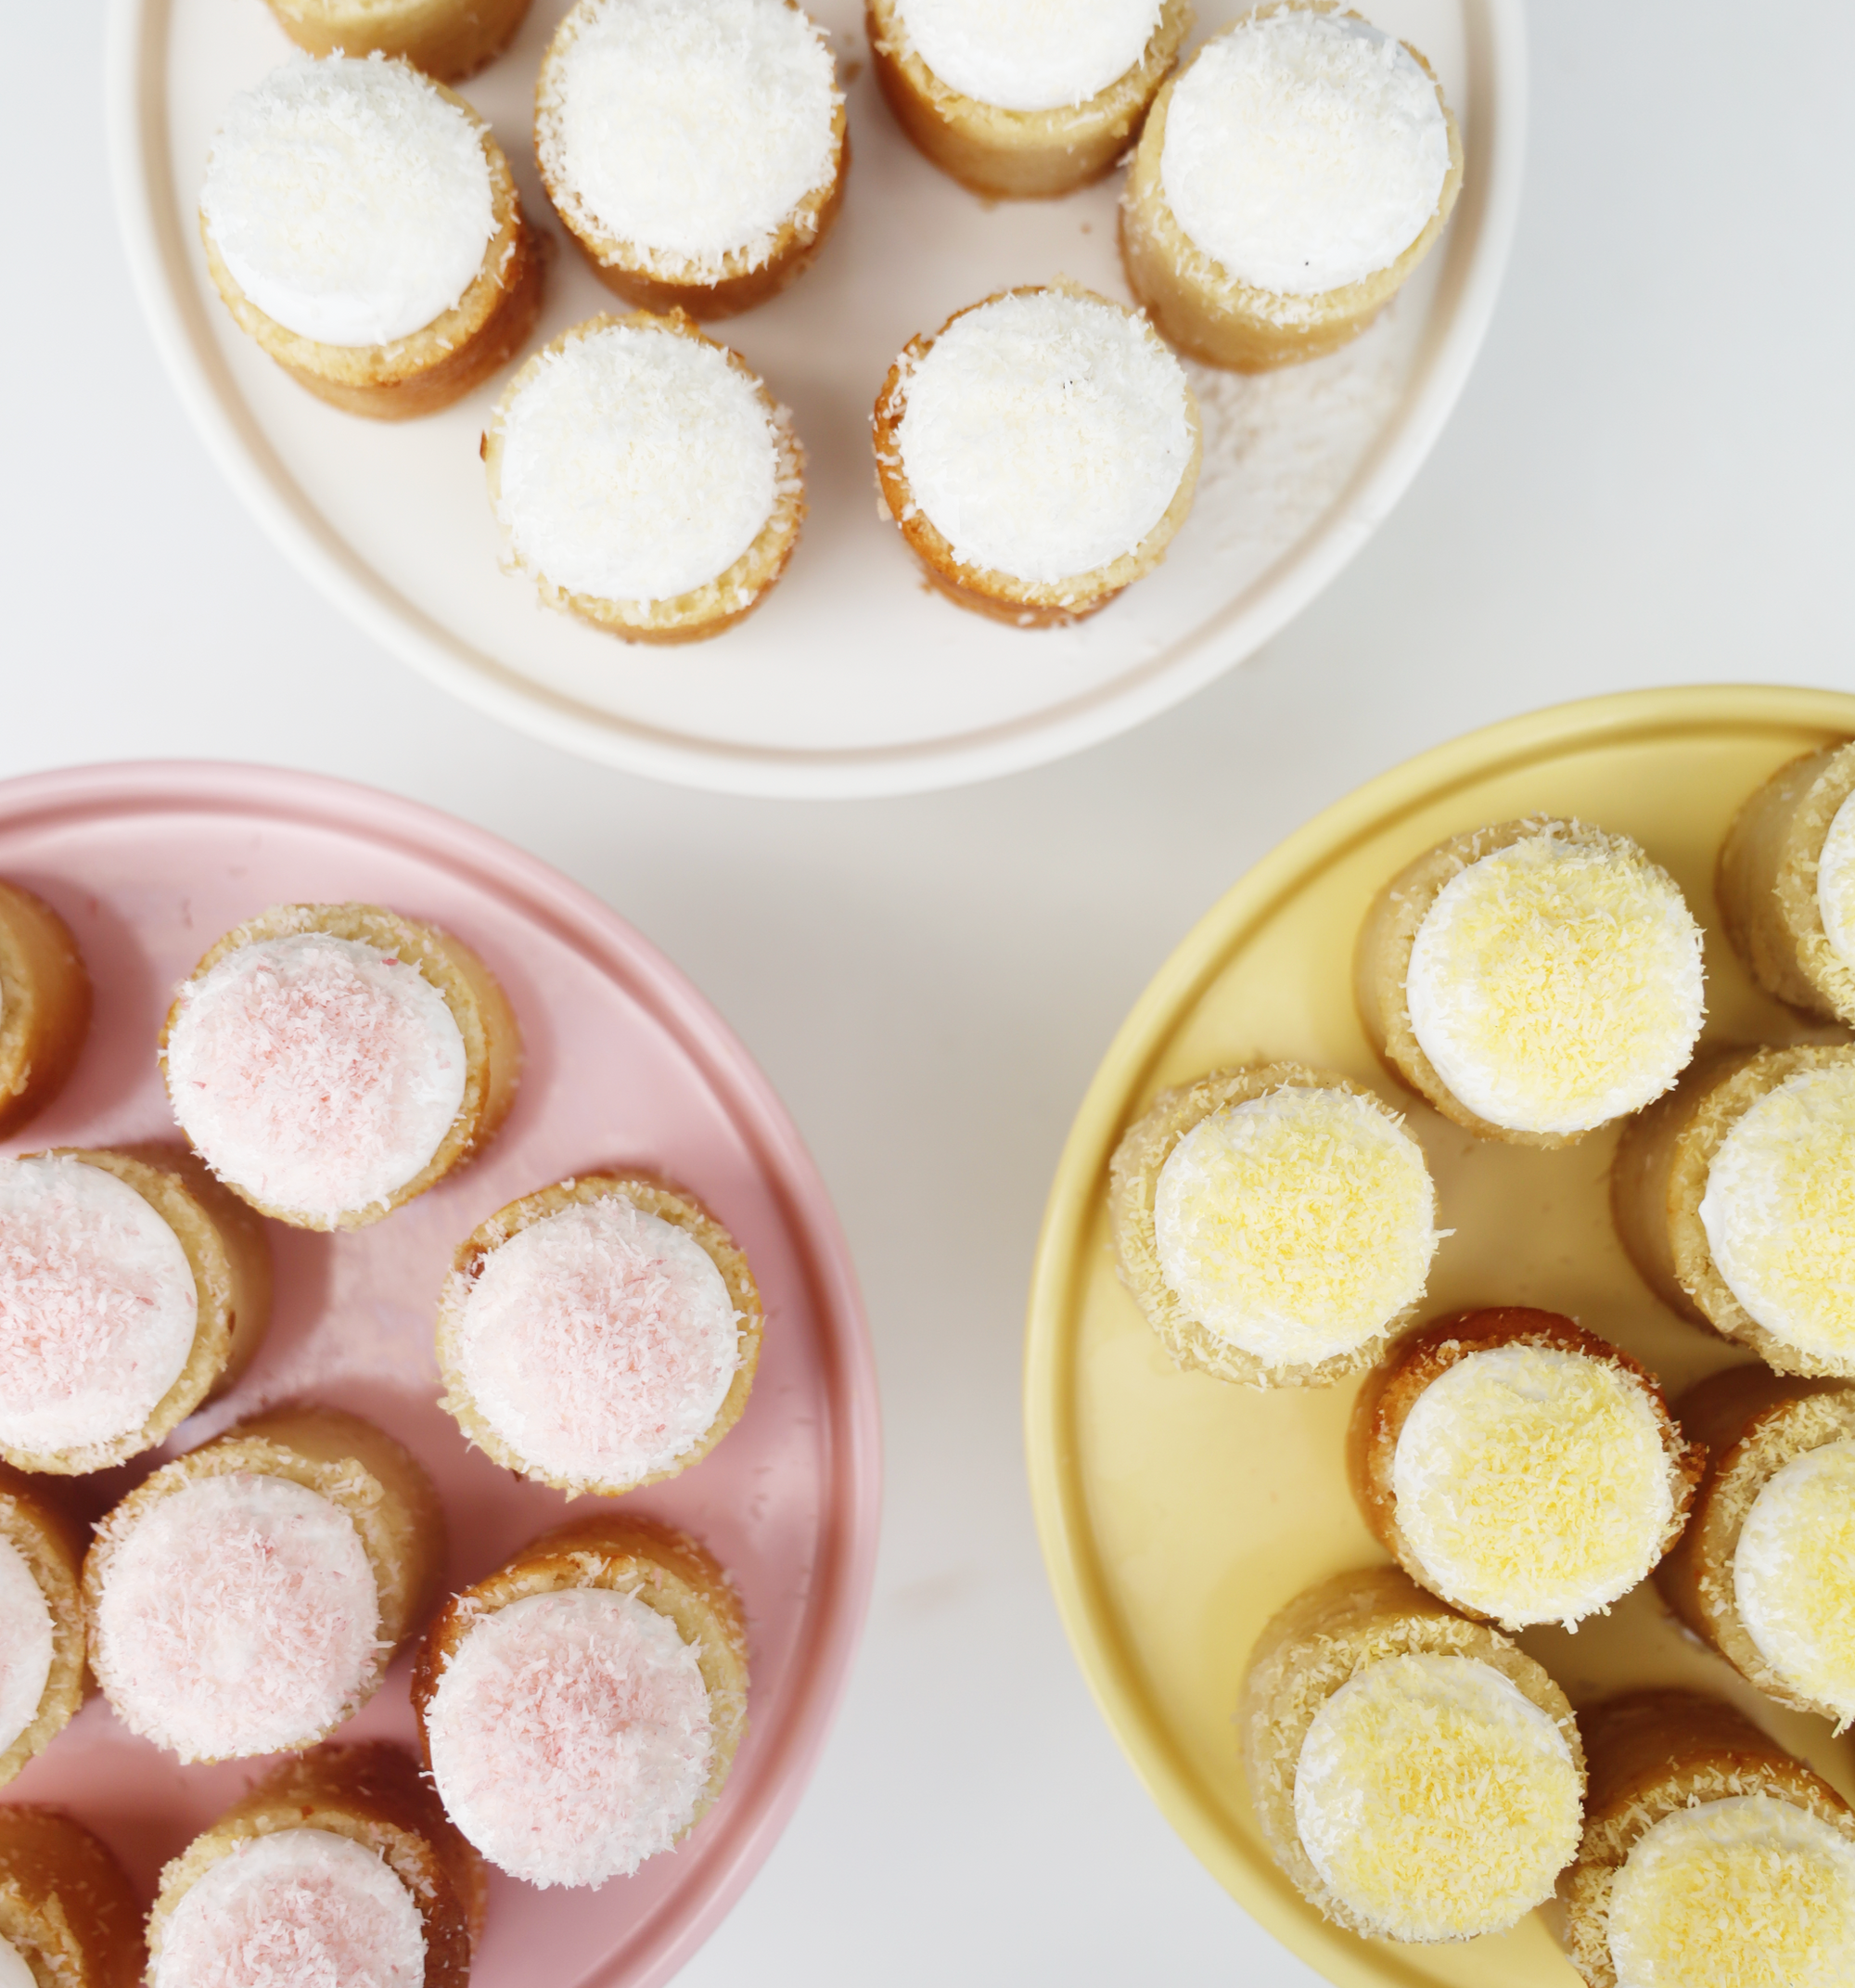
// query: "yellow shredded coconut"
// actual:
[[1556, 985], [1747, 1892], [1794, 1575], [1532, 1484], [1436, 1800], [1779, 1211], [1296, 1224]]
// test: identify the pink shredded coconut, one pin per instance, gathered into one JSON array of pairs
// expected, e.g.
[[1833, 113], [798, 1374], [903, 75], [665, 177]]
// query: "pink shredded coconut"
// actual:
[[570, 1736]]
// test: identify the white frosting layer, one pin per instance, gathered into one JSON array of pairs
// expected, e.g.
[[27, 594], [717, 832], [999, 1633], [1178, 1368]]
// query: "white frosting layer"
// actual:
[[1296, 1224], [1836, 883], [1045, 434], [636, 465], [299, 1909], [1779, 1211], [1794, 1575], [1532, 1484], [14, 1973], [318, 1074], [1738, 1894], [1030, 55], [1436, 1799], [350, 200], [1304, 151], [599, 1344], [97, 1305], [239, 1615], [1555, 986], [570, 1736], [25, 1646], [690, 127]]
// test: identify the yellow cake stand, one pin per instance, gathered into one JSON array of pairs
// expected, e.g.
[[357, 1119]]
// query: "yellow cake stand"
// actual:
[[1178, 1513]]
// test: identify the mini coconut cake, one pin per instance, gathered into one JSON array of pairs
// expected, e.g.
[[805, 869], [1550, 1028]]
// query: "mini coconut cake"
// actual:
[[1290, 178], [1519, 1468], [1735, 1199], [1031, 100], [448, 39], [1416, 1776], [600, 1335], [1532, 981], [1786, 883], [133, 1289], [360, 223], [249, 1597], [44, 1005], [1274, 1225], [1711, 1858], [339, 1868], [644, 479], [580, 1708], [695, 148], [1038, 452], [68, 1915], [42, 1671], [330, 1061]]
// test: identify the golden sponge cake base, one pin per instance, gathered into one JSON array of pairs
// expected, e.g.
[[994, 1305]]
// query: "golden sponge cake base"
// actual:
[[51, 1543], [447, 39], [44, 1005], [66, 1903]]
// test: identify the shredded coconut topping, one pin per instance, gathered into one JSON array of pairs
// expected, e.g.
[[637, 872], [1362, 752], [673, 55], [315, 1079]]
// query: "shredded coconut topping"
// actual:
[[1555, 985], [1747, 1892], [1030, 55], [14, 1973], [1435, 1798], [1304, 151], [299, 1909], [1045, 434], [318, 1074], [570, 1736], [690, 127], [1779, 1211], [239, 1616], [599, 1344], [25, 1646], [1794, 1575], [1836, 883], [97, 1307], [348, 199], [636, 465], [1532, 1484], [1299, 1225]]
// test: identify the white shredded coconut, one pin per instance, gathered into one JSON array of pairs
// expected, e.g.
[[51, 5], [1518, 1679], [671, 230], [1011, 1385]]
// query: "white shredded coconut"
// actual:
[[1030, 55], [14, 1973], [297, 1908], [1836, 883], [693, 128], [1304, 151], [348, 199], [636, 465], [97, 1305], [25, 1646], [1044, 434], [1794, 1575]]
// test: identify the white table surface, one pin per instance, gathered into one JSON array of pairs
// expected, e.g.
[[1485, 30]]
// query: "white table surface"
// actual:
[[1647, 482]]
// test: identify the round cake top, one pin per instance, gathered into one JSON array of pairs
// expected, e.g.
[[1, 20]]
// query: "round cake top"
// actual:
[[1304, 151], [1299, 1225], [1746, 1889], [570, 1736], [351, 201], [1533, 1484], [238, 1615], [316, 1074], [1794, 1575], [1436, 1800], [1836, 883], [14, 1973], [1028, 55], [1779, 1211], [692, 129], [97, 1307], [599, 1344], [297, 1908], [1556, 985], [636, 463], [1045, 433], [25, 1646]]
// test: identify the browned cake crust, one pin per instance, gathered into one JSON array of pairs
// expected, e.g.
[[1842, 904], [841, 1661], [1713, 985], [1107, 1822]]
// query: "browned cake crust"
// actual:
[[66, 1903], [447, 39], [51, 1543], [44, 1005]]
